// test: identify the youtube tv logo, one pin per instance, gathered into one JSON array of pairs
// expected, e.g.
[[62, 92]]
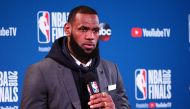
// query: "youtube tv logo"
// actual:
[[136, 32]]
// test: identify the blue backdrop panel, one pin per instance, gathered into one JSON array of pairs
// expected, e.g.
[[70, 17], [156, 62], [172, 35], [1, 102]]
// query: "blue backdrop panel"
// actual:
[[149, 41]]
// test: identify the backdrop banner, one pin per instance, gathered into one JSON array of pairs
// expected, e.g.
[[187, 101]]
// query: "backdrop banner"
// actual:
[[149, 40]]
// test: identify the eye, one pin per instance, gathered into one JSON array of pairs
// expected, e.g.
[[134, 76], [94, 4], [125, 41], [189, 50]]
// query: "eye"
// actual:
[[96, 30], [83, 29]]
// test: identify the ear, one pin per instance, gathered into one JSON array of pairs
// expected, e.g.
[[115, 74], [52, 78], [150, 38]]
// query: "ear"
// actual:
[[67, 29]]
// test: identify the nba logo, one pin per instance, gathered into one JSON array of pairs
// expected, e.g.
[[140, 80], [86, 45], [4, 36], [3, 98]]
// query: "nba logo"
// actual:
[[140, 84], [95, 87], [189, 26], [43, 26]]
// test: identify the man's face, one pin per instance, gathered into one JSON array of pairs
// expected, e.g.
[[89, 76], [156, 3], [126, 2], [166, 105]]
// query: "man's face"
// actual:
[[85, 32]]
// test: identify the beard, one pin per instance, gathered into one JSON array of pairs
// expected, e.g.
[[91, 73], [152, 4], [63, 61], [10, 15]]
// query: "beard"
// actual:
[[80, 53]]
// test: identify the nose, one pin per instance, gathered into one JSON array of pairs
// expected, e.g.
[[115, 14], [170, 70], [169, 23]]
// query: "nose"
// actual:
[[89, 35]]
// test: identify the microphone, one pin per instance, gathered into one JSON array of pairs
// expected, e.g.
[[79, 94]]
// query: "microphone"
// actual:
[[92, 84]]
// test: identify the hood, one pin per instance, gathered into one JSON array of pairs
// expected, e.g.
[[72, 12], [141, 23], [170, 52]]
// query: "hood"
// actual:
[[60, 53]]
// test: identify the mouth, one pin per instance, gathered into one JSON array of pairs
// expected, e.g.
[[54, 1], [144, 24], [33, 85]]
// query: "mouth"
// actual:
[[89, 46]]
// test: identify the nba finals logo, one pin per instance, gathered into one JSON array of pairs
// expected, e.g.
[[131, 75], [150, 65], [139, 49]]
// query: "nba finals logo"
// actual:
[[153, 88], [141, 84], [43, 19], [50, 26], [189, 30], [9, 89]]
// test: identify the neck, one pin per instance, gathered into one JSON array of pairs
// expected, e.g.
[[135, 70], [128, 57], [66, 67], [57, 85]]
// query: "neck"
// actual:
[[83, 60]]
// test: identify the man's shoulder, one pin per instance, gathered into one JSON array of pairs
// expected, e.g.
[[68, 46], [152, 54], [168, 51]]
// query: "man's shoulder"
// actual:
[[108, 66], [106, 62], [44, 64]]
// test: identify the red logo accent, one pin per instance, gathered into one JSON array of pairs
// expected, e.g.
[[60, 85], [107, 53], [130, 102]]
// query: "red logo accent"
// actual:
[[152, 105], [105, 38], [136, 32]]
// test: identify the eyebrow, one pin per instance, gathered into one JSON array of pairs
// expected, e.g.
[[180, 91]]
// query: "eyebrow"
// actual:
[[96, 28], [88, 28]]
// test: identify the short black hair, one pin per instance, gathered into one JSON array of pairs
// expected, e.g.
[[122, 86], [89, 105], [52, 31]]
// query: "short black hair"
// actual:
[[82, 10]]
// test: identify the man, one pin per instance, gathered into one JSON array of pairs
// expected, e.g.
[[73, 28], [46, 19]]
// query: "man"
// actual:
[[60, 80]]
